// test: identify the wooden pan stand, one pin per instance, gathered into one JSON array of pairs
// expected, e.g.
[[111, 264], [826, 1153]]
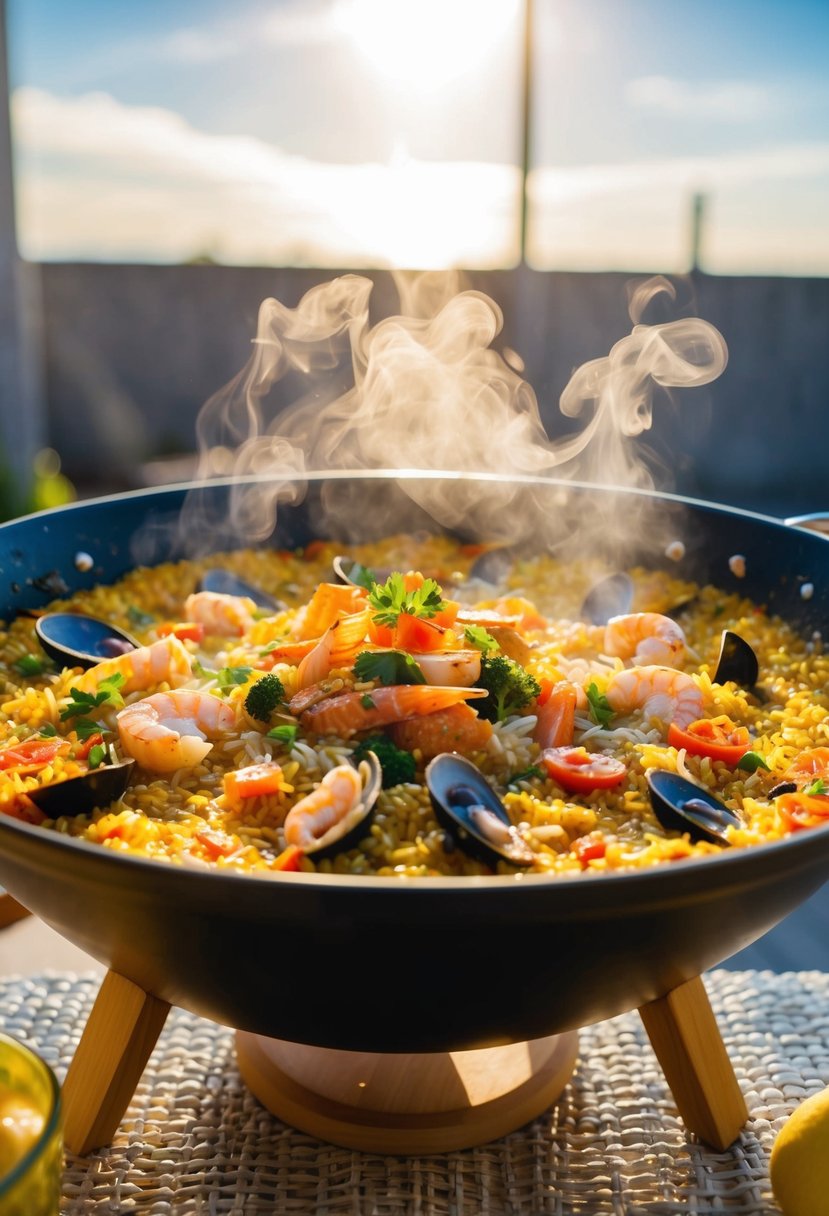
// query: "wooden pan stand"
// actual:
[[401, 1104]]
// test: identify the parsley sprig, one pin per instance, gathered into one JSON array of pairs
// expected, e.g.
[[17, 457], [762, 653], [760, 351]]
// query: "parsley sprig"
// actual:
[[83, 703], [480, 638], [390, 598], [388, 667], [601, 710]]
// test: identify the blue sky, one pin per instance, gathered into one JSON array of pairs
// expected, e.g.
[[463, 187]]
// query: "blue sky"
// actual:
[[340, 131]]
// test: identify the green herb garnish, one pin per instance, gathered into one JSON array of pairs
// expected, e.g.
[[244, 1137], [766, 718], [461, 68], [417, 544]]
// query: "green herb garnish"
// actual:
[[366, 701], [232, 677], [751, 761], [817, 787], [527, 775], [47, 730], [29, 665], [86, 727], [388, 667], [85, 702], [601, 710], [362, 576], [284, 734], [390, 598], [478, 637]]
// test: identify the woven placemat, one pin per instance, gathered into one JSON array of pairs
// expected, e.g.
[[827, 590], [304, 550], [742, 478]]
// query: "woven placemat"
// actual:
[[195, 1141]]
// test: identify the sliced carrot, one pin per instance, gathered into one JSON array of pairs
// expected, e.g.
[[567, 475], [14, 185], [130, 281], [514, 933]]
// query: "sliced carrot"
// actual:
[[216, 844], [255, 781]]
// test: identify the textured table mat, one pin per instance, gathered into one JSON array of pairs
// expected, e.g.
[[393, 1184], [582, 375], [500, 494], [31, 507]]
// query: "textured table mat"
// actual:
[[195, 1141]]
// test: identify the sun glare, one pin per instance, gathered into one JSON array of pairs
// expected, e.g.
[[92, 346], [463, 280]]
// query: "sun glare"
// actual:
[[423, 44]]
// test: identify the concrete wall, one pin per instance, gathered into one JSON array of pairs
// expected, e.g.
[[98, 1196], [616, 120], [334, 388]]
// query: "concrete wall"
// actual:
[[132, 352]]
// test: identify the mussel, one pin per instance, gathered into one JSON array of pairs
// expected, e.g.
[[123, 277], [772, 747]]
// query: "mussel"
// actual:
[[225, 582], [472, 813], [75, 640], [610, 596], [80, 795], [352, 827], [737, 662], [682, 806]]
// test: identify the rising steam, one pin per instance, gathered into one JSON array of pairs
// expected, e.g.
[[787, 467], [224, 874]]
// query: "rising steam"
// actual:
[[426, 391]]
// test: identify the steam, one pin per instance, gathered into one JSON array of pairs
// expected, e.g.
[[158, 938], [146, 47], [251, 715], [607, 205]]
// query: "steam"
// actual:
[[325, 390]]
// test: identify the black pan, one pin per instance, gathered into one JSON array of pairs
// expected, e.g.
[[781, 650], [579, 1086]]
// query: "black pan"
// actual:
[[389, 965]]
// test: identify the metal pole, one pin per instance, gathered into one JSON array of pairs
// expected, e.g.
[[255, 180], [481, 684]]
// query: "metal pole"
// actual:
[[526, 122]]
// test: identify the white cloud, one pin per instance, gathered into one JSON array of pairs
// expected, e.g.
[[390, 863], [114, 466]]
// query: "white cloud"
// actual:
[[299, 24], [734, 101]]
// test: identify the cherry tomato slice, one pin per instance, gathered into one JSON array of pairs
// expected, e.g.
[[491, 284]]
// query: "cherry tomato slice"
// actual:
[[577, 769], [803, 810], [417, 635], [32, 754], [718, 738]]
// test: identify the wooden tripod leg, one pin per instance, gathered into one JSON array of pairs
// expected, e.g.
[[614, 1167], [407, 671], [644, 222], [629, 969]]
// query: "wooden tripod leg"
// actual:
[[684, 1034], [121, 1031]]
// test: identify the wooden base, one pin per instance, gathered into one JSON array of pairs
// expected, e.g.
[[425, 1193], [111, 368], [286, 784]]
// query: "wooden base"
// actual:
[[399, 1103], [406, 1104]]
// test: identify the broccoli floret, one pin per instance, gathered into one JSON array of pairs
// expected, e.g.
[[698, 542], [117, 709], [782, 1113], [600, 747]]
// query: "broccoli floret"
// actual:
[[510, 688], [264, 696], [398, 766]]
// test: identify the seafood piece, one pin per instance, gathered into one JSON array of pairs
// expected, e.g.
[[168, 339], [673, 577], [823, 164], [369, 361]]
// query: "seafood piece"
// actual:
[[609, 597], [659, 692], [165, 662], [76, 640], [649, 638], [683, 806], [511, 643], [351, 712], [456, 729], [338, 812], [450, 668], [329, 602], [337, 647], [79, 795], [473, 814], [555, 719], [225, 582], [172, 730], [224, 615], [737, 661]]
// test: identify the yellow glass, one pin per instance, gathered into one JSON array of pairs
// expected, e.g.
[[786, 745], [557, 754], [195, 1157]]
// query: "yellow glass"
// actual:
[[31, 1139]]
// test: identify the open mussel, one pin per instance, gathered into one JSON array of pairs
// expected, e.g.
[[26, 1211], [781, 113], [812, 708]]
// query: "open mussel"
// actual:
[[314, 832], [610, 596], [75, 640], [225, 582], [80, 795], [682, 806], [737, 662], [473, 814]]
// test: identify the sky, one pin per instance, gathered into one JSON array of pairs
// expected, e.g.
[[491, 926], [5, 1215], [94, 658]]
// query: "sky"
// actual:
[[378, 132]]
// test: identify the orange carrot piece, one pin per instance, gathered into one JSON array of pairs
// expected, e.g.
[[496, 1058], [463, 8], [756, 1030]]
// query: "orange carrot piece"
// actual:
[[255, 781]]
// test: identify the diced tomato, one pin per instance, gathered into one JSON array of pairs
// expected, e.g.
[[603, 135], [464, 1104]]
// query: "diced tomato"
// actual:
[[83, 749], [185, 631], [803, 810], [447, 615], [31, 755], [589, 848], [255, 781], [809, 766], [577, 769], [556, 716], [288, 859], [417, 635], [719, 738], [216, 844], [381, 635]]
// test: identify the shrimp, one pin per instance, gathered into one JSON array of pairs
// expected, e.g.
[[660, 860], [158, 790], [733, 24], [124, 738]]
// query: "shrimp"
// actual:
[[166, 661], [337, 795], [351, 712], [225, 615], [646, 637], [659, 692], [337, 647], [450, 668], [171, 730]]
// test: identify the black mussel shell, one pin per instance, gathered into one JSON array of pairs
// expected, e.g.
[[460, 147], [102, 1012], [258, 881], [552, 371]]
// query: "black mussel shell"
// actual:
[[494, 564], [470, 810], [349, 570], [350, 831], [611, 596], [682, 806], [225, 582], [80, 795], [75, 640], [737, 662]]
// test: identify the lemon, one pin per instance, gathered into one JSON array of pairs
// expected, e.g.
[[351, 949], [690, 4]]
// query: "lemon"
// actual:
[[799, 1164]]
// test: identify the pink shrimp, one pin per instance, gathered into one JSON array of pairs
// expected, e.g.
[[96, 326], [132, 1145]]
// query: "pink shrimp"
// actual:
[[659, 692], [315, 814], [351, 712], [224, 615], [336, 648], [172, 730], [165, 662], [646, 637]]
